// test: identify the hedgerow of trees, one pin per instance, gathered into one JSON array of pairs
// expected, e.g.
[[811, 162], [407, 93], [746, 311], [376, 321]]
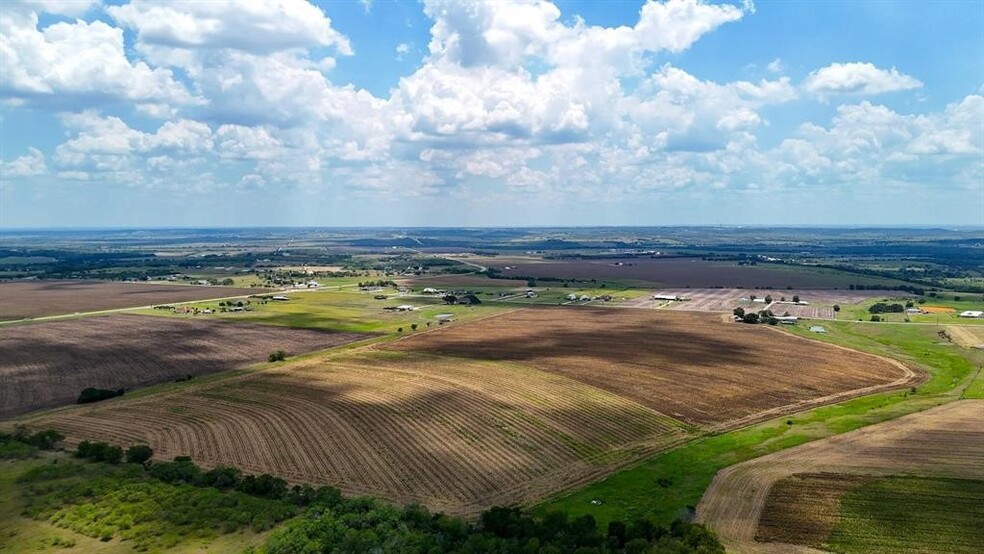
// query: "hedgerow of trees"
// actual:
[[158, 504]]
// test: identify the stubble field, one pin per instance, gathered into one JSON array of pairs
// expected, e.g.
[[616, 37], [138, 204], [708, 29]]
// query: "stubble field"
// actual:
[[456, 436], [28, 299], [693, 367], [47, 364]]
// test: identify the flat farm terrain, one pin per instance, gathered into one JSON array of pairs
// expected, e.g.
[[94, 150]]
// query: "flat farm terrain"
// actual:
[[862, 513], [843, 492], [688, 272], [27, 299], [693, 367], [454, 435], [820, 302], [47, 364]]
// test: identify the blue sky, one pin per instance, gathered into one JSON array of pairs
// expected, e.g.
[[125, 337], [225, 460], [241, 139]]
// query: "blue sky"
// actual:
[[496, 112]]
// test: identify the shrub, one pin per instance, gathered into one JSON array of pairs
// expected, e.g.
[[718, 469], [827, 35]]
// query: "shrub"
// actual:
[[277, 356], [138, 454], [91, 394]]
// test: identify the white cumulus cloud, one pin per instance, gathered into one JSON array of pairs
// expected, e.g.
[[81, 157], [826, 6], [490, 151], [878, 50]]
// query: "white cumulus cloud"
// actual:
[[858, 78]]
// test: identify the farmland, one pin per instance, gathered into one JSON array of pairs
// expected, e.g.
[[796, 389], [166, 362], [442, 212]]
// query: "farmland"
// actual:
[[690, 272], [692, 367], [941, 443], [29, 299], [682, 475], [863, 513], [454, 435], [348, 311], [821, 302], [47, 364]]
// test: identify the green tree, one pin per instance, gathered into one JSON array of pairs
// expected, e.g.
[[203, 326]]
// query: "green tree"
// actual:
[[138, 454]]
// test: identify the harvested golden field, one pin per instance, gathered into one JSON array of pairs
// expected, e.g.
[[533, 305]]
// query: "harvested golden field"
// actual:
[[943, 442], [27, 299], [454, 435], [690, 366], [937, 310], [47, 364]]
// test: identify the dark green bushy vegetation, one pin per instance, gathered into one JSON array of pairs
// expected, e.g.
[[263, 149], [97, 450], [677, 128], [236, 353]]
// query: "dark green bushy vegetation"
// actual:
[[883, 308], [22, 443], [363, 525], [91, 394], [155, 505], [106, 501]]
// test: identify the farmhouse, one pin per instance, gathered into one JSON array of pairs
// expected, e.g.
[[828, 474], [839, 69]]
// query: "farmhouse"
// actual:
[[971, 313]]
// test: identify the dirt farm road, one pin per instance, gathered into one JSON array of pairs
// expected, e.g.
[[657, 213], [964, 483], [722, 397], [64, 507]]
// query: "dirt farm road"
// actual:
[[945, 441]]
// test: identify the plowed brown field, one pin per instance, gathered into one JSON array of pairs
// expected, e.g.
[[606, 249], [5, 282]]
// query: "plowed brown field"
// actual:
[[693, 367], [24, 299], [455, 435], [48, 363], [947, 441]]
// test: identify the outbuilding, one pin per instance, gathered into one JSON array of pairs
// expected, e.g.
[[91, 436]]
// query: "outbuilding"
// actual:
[[972, 313]]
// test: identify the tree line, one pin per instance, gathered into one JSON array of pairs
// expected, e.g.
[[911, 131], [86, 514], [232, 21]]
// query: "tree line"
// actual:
[[328, 522]]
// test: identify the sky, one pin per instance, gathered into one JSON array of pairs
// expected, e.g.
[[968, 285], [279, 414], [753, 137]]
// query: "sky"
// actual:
[[186, 113]]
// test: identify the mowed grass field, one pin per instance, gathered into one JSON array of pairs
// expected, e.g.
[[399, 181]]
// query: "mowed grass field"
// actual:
[[862, 513], [47, 364], [455, 435], [29, 299], [694, 367], [941, 443], [349, 311]]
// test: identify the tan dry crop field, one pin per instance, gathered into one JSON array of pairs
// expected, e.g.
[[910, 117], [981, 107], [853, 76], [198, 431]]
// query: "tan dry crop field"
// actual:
[[47, 364], [26, 299], [947, 442], [455, 435], [690, 366]]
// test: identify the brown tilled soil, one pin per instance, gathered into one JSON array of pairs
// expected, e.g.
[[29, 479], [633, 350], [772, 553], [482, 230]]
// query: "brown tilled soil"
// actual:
[[47, 364], [690, 366], [455, 435], [946, 441], [26, 299], [803, 508]]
